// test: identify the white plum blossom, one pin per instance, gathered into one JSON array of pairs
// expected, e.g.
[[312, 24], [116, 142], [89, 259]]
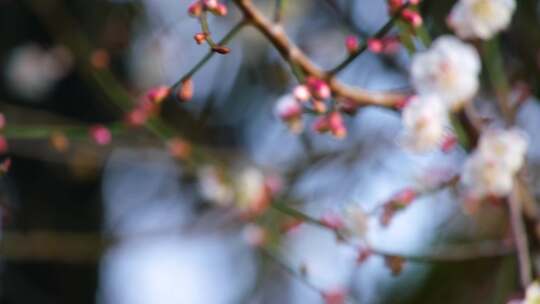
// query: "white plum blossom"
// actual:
[[356, 221], [289, 109], [32, 71], [250, 187], [213, 187], [508, 147], [532, 295], [491, 168], [481, 18], [449, 69], [425, 122]]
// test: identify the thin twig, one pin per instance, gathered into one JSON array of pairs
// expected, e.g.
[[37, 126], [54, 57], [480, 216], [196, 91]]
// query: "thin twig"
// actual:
[[520, 237]]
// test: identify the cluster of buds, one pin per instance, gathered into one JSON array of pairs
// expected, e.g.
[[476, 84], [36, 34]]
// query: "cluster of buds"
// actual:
[[398, 202], [147, 106], [213, 6], [314, 92], [387, 45], [247, 190], [409, 15], [333, 123]]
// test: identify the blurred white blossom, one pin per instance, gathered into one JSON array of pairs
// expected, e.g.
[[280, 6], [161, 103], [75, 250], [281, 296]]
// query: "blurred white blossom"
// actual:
[[481, 18], [32, 71], [213, 188], [289, 109], [425, 120], [356, 221], [491, 168], [449, 70], [532, 295]]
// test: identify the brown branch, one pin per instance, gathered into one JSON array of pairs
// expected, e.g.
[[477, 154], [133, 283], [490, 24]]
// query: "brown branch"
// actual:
[[295, 57], [520, 235]]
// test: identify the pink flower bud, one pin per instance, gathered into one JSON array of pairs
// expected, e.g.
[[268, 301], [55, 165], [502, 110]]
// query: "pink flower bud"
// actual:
[[318, 88], [394, 5], [321, 125], [449, 143], [136, 117], [3, 145], [337, 127], [412, 17], [375, 45], [158, 94], [301, 93], [414, 2], [200, 37], [195, 9], [211, 4], [221, 10], [318, 106], [179, 148], [100, 134], [352, 44], [337, 296], [186, 90]]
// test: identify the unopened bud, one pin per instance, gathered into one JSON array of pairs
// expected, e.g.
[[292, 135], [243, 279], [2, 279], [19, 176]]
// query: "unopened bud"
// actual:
[[221, 10], [301, 93], [352, 44], [221, 50], [158, 94], [179, 148], [195, 9], [59, 141], [375, 45], [200, 37], [318, 88], [412, 17], [211, 4], [318, 106], [100, 134], [185, 91]]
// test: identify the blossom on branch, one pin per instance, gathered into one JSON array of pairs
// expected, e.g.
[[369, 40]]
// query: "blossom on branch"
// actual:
[[426, 123], [491, 168], [481, 19], [448, 70]]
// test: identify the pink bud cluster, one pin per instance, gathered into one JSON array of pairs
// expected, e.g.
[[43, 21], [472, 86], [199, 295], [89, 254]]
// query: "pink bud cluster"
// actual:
[[386, 45], [147, 106], [409, 15], [316, 92], [213, 6]]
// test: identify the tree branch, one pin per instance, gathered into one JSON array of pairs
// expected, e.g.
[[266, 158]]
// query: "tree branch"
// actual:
[[294, 56]]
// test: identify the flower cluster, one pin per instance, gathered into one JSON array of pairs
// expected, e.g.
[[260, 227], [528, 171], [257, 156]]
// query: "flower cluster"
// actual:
[[491, 168], [248, 190], [213, 6], [481, 19], [445, 77], [314, 94], [407, 14]]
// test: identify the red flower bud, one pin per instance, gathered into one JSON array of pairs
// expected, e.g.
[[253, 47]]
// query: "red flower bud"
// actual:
[[158, 94], [412, 17], [185, 91], [195, 9], [352, 44], [200, 37], [100, 134], [375, 45], [318, 88]]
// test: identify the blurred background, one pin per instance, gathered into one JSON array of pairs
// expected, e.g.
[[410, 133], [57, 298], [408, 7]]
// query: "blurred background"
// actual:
[[129, 222]]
